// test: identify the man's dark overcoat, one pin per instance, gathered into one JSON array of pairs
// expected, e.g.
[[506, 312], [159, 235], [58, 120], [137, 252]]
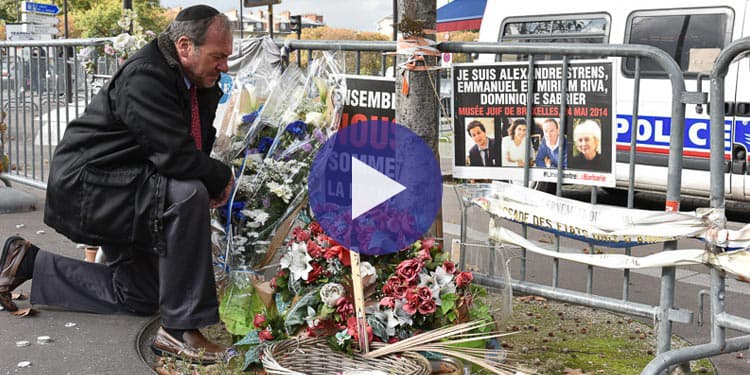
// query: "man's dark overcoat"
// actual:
[[107, 178]]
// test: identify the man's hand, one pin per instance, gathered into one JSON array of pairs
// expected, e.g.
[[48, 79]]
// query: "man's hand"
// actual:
[[224, 197]]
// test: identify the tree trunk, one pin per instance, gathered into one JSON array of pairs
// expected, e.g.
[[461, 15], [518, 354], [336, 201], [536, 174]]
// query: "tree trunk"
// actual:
[[417, 106], [418, 110]]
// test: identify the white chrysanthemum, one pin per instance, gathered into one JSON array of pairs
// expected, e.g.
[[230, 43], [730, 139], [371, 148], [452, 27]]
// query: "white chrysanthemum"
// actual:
[[369, 274], [331, 292], [280, 190], [257, 217], [314, 119], [122, 42]]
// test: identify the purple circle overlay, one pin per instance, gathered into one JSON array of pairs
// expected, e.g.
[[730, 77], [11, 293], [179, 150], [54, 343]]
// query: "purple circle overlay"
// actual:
[[394, 151]]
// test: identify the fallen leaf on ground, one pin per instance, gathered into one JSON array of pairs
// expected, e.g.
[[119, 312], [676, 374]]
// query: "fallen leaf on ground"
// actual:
[[18, 296], [22, 313], [532, 298]]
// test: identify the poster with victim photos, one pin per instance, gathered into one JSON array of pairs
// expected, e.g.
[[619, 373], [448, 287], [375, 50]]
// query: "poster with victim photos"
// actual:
[[493, 138]]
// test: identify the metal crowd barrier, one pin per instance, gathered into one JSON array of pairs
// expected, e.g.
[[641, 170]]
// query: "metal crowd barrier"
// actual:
[[44, 85], [720, 319], [25, 126]]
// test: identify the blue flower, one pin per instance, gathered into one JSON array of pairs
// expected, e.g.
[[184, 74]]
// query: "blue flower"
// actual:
[[297, 128], [250, 117], [237, 208], [264, 144]]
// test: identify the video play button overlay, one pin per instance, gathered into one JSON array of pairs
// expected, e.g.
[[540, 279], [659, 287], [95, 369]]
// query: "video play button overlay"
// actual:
[[370, 188], [375, 187]]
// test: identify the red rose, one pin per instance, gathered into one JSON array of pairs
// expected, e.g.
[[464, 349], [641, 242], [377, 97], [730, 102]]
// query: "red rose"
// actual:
[[344, 257], [424, 255], [344, 308], [333, 252], [302, 236], [388, 302], [428, 243], [390, 285], [315, 273], [448, 266], [315, 228], [265, 335], [259, 320], [427, 307], [351, 327], [401, 291], [464, 279], [311, 332], [424, 293], [393, 340], [409, 270], [411, 308], [314, 249], [412, 297]]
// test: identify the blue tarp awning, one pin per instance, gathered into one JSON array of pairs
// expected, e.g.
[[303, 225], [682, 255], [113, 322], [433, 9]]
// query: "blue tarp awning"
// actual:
[[460, 15]]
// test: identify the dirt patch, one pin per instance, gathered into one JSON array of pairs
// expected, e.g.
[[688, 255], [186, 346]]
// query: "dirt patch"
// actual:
[[551, 337]]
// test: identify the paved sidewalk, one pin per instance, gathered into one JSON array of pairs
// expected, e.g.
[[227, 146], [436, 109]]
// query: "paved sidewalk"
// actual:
[[96, 344], [106, 344]]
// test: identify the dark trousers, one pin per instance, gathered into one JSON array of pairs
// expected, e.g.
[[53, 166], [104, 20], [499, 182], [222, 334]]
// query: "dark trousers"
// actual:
[[179, 285]]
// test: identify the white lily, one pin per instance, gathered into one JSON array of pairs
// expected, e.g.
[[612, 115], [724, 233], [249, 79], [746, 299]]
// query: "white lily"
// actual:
[[297, 260]]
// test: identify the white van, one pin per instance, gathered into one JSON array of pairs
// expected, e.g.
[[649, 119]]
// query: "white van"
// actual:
[[687, 30]]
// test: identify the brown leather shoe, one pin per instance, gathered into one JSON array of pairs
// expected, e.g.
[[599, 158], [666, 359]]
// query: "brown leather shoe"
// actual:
[[13, 252], [194, 348]]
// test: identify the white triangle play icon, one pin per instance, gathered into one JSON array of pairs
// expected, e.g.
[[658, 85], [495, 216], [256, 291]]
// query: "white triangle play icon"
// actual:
[[370, 188]]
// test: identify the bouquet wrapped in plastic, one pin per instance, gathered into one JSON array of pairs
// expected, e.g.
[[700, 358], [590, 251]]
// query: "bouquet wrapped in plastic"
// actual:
[[270, 150], [251, 86]]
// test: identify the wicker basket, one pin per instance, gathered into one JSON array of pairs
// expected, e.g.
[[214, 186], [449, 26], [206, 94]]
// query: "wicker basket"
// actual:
[[313, 356]]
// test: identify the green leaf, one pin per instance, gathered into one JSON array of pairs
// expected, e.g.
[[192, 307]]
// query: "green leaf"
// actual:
[[281, 303], [378, 328], [251, 356], [298, 311], [451, 316], [250, 339], [448, 302], [326, 311], [238, 308]]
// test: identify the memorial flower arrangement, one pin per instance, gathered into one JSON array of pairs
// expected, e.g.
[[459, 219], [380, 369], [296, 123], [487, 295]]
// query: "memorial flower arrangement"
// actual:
[[408, 292], [123, 45], [127, 43]]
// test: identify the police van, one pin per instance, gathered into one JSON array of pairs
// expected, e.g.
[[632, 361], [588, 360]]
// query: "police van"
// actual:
[[693, 32]]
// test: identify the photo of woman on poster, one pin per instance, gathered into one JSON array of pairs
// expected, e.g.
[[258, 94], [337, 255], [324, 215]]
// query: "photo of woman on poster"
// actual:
[[587, 153], [513, 147]]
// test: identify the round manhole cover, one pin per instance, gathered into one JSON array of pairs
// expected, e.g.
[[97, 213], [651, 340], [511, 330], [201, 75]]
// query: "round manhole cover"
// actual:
[[143, 344]]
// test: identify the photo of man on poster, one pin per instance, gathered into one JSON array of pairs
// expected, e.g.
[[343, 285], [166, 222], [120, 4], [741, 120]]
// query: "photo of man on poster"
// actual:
[[548, 154], [485, 149]]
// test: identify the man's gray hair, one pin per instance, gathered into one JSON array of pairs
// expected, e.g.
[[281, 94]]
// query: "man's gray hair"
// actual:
[[196, 30]]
